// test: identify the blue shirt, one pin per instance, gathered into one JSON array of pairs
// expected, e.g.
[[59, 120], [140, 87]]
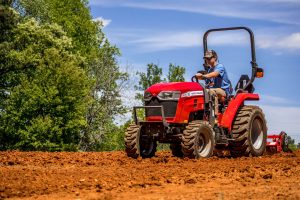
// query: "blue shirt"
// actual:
[[221, 81]]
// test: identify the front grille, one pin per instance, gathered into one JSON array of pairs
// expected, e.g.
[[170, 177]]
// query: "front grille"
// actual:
[[169, 107]]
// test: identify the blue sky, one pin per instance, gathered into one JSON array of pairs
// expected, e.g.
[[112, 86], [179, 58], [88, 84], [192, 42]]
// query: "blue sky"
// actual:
[[170, 31]]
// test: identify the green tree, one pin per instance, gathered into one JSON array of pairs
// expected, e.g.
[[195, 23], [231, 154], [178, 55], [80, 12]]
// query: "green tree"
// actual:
[[8, 19], [115, 139], [291, 143], [45, 108], [100, 61], [152, 76], [175, 73], [290, 140], [107, 100], [74, 17]]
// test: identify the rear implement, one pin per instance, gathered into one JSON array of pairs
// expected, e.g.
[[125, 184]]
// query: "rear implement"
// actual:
[[278, 143]]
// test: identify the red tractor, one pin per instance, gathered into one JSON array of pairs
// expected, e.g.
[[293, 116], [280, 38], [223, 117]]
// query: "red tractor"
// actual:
[[182, 114]]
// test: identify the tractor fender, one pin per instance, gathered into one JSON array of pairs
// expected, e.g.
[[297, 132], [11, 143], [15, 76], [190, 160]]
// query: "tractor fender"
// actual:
[[233, 106]]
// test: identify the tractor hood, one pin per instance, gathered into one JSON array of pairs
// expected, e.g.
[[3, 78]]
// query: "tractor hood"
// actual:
[[174, 86]]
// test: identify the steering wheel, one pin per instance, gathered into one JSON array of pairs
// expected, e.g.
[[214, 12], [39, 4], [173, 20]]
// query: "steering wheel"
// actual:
[[207, 80], [195, 79]]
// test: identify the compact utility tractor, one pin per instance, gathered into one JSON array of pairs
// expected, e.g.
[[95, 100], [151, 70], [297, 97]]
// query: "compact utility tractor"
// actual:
[[182, 114]]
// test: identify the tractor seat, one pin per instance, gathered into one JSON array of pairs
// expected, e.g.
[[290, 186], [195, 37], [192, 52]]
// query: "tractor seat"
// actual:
[[239, 88]]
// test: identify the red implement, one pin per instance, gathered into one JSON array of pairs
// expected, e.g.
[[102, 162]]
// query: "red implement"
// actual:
[[277, 143]]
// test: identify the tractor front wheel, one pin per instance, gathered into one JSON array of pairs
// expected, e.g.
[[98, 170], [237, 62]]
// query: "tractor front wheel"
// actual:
[[176, 149], [137, 144], [198, 140], [131, 140]]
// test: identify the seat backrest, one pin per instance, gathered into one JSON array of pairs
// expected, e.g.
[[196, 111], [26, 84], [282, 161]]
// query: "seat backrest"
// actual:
[[244, 79]]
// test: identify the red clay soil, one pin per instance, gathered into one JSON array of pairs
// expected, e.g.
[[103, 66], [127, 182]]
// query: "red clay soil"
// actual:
[[111, 175]]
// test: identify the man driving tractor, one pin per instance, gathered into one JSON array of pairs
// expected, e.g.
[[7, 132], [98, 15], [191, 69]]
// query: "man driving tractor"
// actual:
[[216, 78]]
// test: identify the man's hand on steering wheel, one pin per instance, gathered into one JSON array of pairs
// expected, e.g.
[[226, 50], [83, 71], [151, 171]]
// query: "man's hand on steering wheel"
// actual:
[[200, 76]]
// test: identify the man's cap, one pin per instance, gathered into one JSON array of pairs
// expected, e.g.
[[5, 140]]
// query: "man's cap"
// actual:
[[208, 54]]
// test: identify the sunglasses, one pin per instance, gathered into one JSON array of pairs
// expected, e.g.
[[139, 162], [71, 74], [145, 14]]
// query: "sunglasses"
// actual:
[[208, 58]]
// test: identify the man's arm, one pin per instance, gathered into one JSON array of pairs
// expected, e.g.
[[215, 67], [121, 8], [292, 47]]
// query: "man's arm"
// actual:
[[219, 70], [209, 75]]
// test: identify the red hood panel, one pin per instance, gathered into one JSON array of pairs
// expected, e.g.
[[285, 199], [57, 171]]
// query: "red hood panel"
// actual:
[[174, 86]]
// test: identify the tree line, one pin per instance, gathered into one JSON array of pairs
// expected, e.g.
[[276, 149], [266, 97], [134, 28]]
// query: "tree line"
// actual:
[[60, 81]]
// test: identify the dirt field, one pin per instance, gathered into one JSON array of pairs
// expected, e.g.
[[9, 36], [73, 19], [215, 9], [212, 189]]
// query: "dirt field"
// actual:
[[111, 175]]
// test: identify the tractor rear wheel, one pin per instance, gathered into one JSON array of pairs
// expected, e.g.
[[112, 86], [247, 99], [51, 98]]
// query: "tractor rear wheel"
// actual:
[[176, 149], [131, 140], [198, 140], [249, 131]]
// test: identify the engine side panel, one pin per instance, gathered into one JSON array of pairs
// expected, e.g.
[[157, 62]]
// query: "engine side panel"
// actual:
[[187, 106]]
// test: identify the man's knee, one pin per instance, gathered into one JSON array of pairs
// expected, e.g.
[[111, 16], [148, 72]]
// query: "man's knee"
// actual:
[[211, 91], [220, 92]]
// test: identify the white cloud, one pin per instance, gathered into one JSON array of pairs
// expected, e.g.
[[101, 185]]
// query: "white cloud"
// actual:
[[292, 41], [275, 1], [281, 118], [147, 41], [269, 99], [105, 22], [170, 40], [276, 11], [105, 2], [276, 39], [271, 41]]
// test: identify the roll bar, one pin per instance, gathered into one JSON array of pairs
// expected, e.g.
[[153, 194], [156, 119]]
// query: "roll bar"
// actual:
[[253, 55]]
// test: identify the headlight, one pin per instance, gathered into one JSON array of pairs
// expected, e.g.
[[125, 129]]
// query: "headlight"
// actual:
[[147, 96], [168, 95], [192, 94]]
